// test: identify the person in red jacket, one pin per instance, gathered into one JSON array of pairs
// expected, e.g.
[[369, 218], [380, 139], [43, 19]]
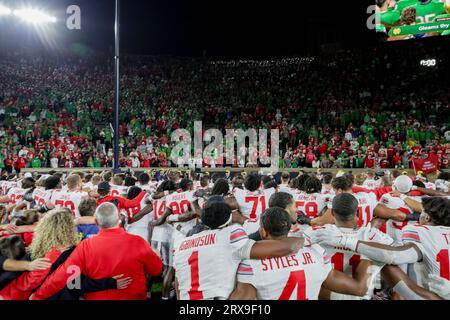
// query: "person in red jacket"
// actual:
[[55, 233], [112, 251], [103, 190]]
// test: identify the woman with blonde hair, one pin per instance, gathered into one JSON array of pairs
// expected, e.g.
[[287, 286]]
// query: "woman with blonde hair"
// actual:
[[54, 234], [56, 238]]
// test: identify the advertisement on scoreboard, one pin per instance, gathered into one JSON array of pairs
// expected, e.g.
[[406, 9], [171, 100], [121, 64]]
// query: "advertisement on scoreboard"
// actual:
[[412, 19]]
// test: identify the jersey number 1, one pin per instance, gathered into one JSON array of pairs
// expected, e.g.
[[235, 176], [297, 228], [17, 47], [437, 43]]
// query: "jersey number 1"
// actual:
[[444, 263], [194, 293]]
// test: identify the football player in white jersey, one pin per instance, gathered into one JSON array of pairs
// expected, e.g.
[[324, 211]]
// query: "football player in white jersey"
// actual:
[[8, 184], [299, 276], [367, 203], [281, 200], [139, 217], [345, 213], [42, 196], [145, 184], [312, 202], [179, 212], [16, 194], [117, 187], [422, 177], [401, 214], [285, 179], [370, 183], [253, 201], [161, 233], [327, 188], [72, 197], [223, 246], [427, 242]]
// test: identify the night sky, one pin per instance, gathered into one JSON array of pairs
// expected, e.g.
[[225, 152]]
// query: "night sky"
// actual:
[[214, 27]]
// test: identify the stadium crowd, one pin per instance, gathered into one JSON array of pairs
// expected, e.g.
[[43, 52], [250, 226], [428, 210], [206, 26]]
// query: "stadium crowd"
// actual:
[[56, 112], [247, 236]]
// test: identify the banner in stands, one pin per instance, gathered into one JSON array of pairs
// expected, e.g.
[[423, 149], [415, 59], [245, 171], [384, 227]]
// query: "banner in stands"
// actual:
[[427, 165]]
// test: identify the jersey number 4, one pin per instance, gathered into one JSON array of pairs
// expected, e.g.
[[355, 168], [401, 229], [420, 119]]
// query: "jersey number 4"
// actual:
[[297, 280]]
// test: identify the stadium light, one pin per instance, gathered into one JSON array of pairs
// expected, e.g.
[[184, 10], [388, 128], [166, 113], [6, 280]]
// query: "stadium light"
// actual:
[[4, 11], [34, 16]]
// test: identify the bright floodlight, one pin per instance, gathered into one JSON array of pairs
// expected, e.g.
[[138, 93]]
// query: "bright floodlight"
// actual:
[[34, 16], [4, 10]]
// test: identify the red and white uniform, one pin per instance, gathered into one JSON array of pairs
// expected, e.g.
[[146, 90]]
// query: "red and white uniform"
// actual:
[[162, 233], [347, 261], [140, 227], [41, 196], [6, 185], [312, 204], [328, 192], [366, 204], [197, 185], [118, 190], [296, 231], [253, 204], [370, 184], [434, 243], [16, 194], [295, 277], [180, 203], [89, 185], [394, 228], [206, 263], [68, 199], [430, 185]]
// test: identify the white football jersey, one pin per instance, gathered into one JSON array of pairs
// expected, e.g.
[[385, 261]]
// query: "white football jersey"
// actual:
[[251, 226], [434, 243], [118, 190], [140, 227], [295, 277], [430, 185], [366, 204], [16, 194], [394, 228], [206, 263], [370, 184], [296, 231], [347, 261], [327, 192], [3, 188], [131, 212], [181, 203], [68, 199], [162, 233], [41, 196], [6, 185], [89, 185], [311, 204], [197, 185], [253, 204]]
